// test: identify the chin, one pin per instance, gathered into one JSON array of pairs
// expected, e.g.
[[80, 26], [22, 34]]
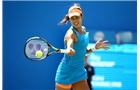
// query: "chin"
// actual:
[[77, 26]]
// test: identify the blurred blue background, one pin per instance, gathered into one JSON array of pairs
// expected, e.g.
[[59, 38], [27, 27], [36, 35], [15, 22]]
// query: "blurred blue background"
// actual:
[[116, 21]]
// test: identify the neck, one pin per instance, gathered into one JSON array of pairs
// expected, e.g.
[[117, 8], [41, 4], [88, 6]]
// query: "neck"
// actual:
[[79, 29]]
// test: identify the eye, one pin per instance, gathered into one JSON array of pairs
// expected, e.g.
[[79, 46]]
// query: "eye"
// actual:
[[77, 17], [72, 18]]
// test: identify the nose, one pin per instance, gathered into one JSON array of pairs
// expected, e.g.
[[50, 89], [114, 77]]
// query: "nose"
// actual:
[[75, 20]]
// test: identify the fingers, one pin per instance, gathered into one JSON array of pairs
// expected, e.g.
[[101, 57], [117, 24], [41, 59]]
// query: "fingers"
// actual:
[[107, 44], [103, 44], [106, 48], [100, 40], [105, 41]]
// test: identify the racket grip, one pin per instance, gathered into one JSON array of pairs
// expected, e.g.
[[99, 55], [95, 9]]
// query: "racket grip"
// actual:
[[64, 51]]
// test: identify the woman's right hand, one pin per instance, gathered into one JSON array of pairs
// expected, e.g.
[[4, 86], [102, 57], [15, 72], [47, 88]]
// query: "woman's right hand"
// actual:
[[71, 51]]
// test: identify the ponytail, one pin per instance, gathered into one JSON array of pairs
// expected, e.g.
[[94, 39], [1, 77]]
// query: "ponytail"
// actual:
[[64, 20]]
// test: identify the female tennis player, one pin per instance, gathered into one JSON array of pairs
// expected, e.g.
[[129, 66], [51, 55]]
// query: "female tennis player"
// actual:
[[71, 72]]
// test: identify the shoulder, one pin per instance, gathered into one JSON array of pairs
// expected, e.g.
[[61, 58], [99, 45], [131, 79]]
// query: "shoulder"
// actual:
[[70, 32]]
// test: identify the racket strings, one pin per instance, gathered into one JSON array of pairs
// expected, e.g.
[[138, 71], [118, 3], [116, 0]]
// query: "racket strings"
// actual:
[[33, 45]]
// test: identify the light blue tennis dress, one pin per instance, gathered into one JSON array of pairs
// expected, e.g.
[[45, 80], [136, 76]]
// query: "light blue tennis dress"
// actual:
[[71, 68]]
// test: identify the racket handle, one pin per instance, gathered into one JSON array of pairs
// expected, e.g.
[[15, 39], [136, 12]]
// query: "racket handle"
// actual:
[[64, 51]]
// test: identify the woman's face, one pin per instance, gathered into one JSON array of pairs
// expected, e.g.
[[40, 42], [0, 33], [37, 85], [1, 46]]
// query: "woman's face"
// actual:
[[76, 21]]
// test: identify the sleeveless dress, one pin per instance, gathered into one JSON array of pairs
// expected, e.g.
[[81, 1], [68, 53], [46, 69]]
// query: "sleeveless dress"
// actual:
[[71, 68]]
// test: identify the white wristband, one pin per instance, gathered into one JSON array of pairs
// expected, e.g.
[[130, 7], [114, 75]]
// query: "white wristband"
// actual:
[[93, 48], [86, 55]]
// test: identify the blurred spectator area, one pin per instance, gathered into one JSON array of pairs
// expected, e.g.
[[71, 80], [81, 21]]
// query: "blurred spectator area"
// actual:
[[114, 36]]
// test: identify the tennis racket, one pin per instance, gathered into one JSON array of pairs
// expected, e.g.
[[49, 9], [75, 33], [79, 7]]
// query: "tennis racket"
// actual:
[[35, 44]]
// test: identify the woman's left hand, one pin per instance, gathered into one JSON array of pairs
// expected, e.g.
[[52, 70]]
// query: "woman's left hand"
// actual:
[[102, 44]]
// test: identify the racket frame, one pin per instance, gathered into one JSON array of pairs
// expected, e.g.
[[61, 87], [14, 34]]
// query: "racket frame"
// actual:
[[56, 50]]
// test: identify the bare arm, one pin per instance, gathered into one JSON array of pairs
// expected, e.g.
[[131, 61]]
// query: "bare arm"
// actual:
[[69, 40]]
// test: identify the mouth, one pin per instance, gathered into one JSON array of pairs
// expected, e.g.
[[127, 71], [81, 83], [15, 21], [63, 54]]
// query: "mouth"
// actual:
[[75, 24]]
